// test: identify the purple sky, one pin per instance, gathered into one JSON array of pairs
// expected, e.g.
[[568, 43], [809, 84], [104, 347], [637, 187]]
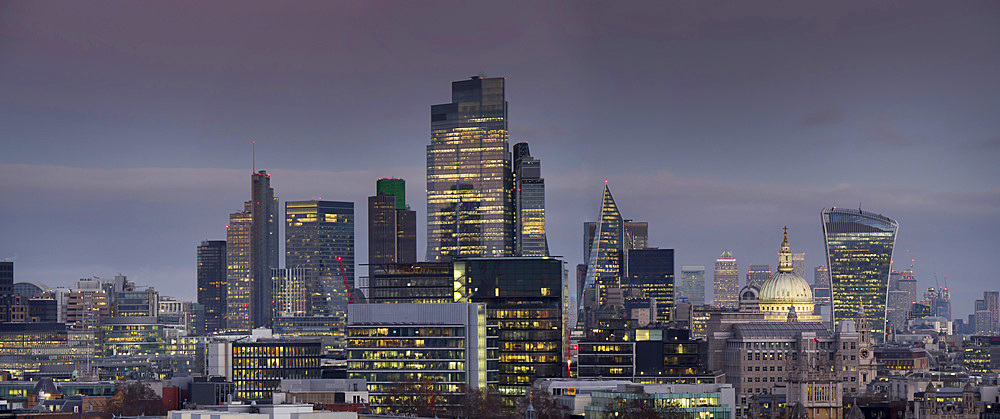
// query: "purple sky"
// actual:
[[125, 126]]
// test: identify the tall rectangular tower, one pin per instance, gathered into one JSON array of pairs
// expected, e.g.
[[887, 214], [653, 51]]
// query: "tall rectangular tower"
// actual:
[[392, 225], [252, 255], [6, 278], [529, 204], [859, 253], [726, 280], [692, 287], [757, 274], [469, 180], [212, 284], [319, 236], [652, 271]]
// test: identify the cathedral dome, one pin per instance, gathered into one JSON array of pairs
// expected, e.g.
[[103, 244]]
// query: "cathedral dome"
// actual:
[[786, 292], [786, 287]]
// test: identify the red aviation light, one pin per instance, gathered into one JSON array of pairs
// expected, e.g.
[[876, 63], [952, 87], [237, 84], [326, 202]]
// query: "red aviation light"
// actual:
[[339, 258]]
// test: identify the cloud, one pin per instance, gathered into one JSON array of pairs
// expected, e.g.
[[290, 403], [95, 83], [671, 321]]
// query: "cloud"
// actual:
[[829, 115], [884, 132]]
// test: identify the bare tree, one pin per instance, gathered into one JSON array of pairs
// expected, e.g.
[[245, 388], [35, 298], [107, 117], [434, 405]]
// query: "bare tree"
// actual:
[[134, 399]]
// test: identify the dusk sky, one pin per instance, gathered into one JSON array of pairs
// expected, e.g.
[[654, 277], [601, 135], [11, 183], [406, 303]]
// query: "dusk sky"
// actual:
[[125, 127]]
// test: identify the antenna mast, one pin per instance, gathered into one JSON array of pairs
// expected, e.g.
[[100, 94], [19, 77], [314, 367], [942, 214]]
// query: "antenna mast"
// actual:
[[253, 157]]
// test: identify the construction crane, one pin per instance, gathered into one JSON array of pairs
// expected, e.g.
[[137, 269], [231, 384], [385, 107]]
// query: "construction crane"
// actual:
[[347, 284]]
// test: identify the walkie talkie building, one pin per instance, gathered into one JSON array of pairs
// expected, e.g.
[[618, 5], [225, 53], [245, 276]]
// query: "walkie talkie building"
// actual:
[[859, 253]]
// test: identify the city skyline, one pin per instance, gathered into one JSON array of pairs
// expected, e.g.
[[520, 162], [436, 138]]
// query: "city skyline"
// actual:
[[62, 143]]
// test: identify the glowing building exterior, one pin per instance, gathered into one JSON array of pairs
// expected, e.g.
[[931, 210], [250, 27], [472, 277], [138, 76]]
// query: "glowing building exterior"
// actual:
[[469, 180], [251, 253], [606, 260], [859, 253], [757, 274], [529, 204], [212, 284], [726, 280]]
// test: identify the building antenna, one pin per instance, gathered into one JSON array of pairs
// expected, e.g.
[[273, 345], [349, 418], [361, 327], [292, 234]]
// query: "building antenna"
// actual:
[[253, 157]]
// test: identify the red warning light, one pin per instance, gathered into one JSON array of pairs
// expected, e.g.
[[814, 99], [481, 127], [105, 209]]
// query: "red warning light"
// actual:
[[339, 258], [576, 347], [227, 225]]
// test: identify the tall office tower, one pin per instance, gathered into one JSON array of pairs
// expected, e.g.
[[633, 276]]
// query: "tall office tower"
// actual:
[[757, 274], [652, 271], [799, 264], [212, 284], [291, 296], [605, 263], [523, 298], [6, 278], [319, 236], [238, 273], [821, 276], [942, 307], [636, 234], [529, 204], [907, 281], [859, 253], [692, 287], [991, 308], [897, 309], [251, 253], [726, 280], [392, 225], [469, 180]]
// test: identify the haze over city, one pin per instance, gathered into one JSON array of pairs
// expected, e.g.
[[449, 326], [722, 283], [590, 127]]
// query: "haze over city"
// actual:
[[126, 127]]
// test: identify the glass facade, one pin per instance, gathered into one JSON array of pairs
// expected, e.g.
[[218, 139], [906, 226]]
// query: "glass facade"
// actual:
[[290, 293], [132, 336], [319, 235], [469, 180], [605, 268], [212, 284], [523, 298], [529, 204], [859, 255], [423, 282], [652, 271], [692, 287], [726, 280], [395, 188], [258, 367], [238, 278]]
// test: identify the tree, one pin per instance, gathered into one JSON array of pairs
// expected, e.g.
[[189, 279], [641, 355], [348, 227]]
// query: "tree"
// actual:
[[134, 399], [483, 403], [417, 396], [545, 406]]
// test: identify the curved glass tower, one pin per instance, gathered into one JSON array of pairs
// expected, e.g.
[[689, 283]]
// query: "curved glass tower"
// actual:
[[859, 253]]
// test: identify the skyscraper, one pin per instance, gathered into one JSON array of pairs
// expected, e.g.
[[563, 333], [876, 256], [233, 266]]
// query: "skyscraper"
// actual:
[[726, 280], [319, 236], [859, 253], [605, 263], [692, 285], [251, 253], [799, 264], [212, 284], [6, 278], [990, 313], [469, 180], [529, 204], [757, 274], [392, 225], [652, 271], [821, 276]]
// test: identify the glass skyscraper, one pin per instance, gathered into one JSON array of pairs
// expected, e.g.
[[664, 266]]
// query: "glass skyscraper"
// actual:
[[606, 260], [859, 253], [652, 271], [529, 204], [392, 225], [212, 284], [469, 179], [726, 280], [251, 253], [692, 286], [319, 236]]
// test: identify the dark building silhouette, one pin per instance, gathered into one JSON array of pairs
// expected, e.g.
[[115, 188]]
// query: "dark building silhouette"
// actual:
[[651, 270], [212, 284], [529, 204], [6, 278], [392, 225], [252, 251]]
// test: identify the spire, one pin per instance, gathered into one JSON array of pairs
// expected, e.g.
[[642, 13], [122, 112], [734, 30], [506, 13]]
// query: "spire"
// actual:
[[785, 256]]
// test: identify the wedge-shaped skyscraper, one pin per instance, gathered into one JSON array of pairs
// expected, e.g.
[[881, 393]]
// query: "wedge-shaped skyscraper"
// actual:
[[859, 253], [605, 264]]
